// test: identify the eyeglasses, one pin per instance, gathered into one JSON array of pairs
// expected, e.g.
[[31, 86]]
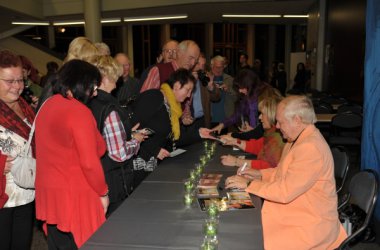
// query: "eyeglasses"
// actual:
[[13, 81], [170, 51]]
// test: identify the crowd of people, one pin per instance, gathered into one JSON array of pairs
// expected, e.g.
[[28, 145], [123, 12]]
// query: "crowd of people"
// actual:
[[95, 133]]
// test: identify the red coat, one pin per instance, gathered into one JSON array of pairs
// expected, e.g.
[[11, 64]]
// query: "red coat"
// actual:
[[3, 195], [69, 176]]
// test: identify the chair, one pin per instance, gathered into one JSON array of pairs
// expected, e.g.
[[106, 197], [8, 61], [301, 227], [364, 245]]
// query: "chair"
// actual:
[[354, 108], [363, 189], [323, 108], [346, 129], [341, 166]]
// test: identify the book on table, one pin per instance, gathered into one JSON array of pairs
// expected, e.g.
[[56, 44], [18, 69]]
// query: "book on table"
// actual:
[[208, 185], [234, 201]]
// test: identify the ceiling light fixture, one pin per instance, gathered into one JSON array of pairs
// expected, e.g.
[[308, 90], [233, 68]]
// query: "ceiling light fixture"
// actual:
[[64, 23], [151, 18], [296, 16], [31, 23], [251, 16], [111, 20]]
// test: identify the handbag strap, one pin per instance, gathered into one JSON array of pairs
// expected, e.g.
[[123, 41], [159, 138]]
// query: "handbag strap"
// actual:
[[31, 133]]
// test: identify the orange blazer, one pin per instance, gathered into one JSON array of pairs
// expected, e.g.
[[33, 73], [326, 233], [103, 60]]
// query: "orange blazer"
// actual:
[[300, 207]]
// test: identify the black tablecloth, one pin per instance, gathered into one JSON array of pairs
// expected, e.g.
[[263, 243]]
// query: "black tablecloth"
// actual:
[[154, 216]]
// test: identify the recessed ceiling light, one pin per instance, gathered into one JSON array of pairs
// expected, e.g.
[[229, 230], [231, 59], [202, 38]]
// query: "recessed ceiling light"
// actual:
[[111, 20], [151, 18], [251, 16], [31, 23], [63, 23], [296, 16]]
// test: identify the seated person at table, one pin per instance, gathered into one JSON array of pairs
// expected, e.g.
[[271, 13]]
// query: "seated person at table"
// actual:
[[160, 110], [268, 148], [300, 208]]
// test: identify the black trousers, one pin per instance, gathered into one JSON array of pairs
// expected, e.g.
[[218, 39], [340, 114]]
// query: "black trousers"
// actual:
[[138, 177], [58, 240], [16, 227]]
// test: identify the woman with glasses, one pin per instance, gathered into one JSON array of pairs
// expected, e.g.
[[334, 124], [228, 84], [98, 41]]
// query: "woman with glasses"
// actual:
[[16, 117], [71, 191]]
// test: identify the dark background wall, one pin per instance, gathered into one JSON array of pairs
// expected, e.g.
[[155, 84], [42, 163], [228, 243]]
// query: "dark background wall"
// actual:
[[344, 70]]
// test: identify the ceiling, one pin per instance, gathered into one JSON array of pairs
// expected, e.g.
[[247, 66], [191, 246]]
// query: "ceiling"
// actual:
[[198, 12]]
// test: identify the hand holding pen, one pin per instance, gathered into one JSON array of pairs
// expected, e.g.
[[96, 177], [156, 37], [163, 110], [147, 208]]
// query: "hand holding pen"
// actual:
[[240, 170]]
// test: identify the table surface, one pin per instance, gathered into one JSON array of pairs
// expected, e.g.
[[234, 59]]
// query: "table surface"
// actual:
[[154, 216], [324, 117]]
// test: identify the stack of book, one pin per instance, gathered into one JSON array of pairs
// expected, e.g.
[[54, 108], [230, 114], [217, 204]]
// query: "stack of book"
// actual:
[[207, 192]]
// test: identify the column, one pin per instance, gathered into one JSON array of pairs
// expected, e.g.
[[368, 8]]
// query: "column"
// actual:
[[165, 33], [93, 27], [130, 47], [321, 45], [51, 36], [288, 51], [250, 43], [209, 41], [271, 46]]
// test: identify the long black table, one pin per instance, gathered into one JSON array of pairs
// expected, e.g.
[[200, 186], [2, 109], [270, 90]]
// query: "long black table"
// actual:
[[154, 216]]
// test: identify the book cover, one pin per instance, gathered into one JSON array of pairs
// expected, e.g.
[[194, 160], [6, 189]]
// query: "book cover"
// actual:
[[208, 183], [207, 192], [233, 201], [239, 200], [212, 176]]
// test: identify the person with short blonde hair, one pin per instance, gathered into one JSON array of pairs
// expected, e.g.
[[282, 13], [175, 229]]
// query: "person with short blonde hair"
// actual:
[[81, 48], [267, 148], [116, 129], [103, 49]]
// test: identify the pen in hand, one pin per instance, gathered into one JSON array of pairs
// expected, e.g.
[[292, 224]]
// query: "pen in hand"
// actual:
[[242, 168]]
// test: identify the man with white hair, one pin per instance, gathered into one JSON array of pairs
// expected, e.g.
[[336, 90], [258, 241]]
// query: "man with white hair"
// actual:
[[127, 87], [300, 208], [187, 56]]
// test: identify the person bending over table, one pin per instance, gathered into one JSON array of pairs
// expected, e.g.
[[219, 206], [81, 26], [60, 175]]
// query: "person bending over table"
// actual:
[[268, 148], [160, 110], [300, 207]]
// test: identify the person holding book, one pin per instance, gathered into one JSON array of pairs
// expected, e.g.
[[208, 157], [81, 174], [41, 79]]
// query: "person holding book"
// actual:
[[267, 148]]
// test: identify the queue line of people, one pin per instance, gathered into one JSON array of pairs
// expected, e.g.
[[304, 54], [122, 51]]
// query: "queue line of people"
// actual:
[[100, 155]]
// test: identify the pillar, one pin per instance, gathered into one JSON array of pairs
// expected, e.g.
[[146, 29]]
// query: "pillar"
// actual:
[[93, 27]]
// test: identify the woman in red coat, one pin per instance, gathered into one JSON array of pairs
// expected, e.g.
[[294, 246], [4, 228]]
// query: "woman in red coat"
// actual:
[[71, 192]]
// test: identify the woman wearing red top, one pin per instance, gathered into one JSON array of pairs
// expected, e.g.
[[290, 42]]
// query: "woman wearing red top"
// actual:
[[268, 148], [71, 192]]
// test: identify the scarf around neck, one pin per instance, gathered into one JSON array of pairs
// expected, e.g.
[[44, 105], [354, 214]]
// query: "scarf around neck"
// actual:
[[175, 109]]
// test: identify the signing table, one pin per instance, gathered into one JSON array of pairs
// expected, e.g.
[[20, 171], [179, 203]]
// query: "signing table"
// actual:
[[155, 217]]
